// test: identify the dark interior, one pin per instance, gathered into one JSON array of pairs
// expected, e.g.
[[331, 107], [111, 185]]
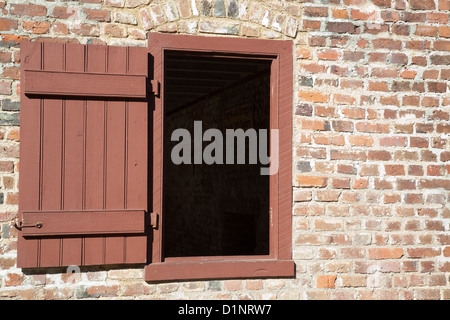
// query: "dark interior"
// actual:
[[217, 209]]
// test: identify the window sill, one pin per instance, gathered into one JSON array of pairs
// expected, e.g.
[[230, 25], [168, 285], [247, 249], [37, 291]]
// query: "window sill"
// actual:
[[219, 269]]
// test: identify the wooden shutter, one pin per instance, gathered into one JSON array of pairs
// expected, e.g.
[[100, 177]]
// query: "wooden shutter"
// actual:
[[83, 155]]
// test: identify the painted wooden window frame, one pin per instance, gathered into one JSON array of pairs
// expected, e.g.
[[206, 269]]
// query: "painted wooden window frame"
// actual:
[[278, 263]]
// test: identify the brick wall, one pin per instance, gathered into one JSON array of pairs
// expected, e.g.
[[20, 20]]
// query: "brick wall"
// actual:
[[371, 126]]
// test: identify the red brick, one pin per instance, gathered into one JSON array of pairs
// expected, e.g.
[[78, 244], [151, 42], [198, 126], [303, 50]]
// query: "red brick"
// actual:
[[408, 74], [313, 96], [353, 56], [437, 17], [346, 169], [98, 15], [300, 196], [340, 183], [14, 279], [414, 198], [381, 184], [394, 170], [303, 53], [314, 124], [387, 44], [36, 27], [360, 183], [357, 140], [379, 155], [360, 15], [422, 4], [435, 170], [404, 184], [372, 127], [339, 13], [5, 87], [328, 54], [311, 181], [324, 111], [342, 27], [308, 152], [7, 24], [116, 31], [444, 31], [352, 113], [348, 155], [369, 170], [337, 140], [325, 281], [418, 142], [393, 141], [315, 11], [28, 10], [385, 253], [378, 86], [328, 225], [423, 252], [430, 74], [428, 31], [353, 280]]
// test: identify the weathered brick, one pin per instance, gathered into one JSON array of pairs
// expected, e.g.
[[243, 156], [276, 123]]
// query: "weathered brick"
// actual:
[[422, 4], [342, 27], [28, 10], [311, 181], [8, 24], [385, 253], [325, 281], [37, 27]]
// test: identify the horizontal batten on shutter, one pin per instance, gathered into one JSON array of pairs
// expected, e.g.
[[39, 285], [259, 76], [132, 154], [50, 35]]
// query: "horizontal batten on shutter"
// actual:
[[63, 83], [65, 223]]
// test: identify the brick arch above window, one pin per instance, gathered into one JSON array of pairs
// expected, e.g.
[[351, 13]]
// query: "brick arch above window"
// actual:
[[232, 17]]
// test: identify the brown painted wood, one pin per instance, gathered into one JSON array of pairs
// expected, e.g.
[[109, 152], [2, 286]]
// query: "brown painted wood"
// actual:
[[219, 269], [57, 223], [30, 126], [278, 262], [84, 84], [76, 153], [137, 162], [51, 150], [73, 156]]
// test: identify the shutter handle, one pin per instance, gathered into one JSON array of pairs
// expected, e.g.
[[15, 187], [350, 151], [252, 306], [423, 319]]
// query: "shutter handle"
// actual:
[[19, 225], [154, 217], [155, 87]]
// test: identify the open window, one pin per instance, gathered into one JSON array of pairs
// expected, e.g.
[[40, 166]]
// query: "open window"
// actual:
[[99, 182], [219, 217]]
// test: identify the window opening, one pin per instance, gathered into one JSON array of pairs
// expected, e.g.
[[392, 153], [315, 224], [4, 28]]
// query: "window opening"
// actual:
[[217, 209]]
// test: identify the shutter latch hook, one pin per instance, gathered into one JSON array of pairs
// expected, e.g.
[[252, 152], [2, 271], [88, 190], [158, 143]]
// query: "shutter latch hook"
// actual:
[[19, 225]]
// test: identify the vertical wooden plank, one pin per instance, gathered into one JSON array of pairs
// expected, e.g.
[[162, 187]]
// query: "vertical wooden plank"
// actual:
[[155, 49], [273, 179], [95, 155], [115, 155], [137, 156], [285, 149], [73, 156], [30, 119], [52, 133]]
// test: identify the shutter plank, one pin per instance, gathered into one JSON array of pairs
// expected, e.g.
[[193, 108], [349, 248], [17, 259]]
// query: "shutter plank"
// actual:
[[30, 123], [84, 84], [51, 151], [79, 222], [137, 155], [95, 156], [115, 155], [73, 156]]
